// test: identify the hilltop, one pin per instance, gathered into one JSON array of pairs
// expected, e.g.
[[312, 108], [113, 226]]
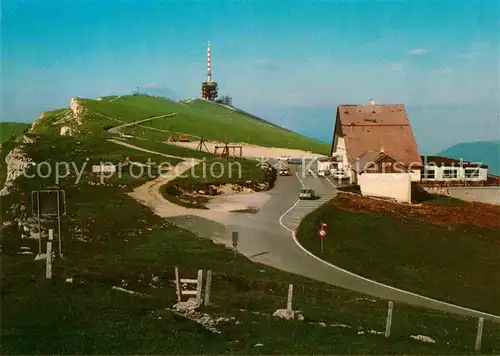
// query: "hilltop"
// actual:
[[486, 152], [195, 118]]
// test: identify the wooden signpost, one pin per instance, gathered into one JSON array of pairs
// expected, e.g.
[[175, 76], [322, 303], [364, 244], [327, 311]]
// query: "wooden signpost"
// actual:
[[235, 238], [182, 285], [388, 323], [48, 257]]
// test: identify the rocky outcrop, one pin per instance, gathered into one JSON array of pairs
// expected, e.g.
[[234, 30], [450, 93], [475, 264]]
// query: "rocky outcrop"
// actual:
[[78, 109], [26, 139], [66, 131], [17, 161]]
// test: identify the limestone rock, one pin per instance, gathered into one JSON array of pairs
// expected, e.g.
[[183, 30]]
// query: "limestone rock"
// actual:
[[423, 338], [66, 131], [284, 314], [17, 161], [78, 109], [190, 304]]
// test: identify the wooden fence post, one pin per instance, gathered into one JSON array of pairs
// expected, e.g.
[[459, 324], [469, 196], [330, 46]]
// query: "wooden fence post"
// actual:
[[388, 323], [178, 285], [199, 285], [479, 336], [290, 296], [208, 286], [48, 258]]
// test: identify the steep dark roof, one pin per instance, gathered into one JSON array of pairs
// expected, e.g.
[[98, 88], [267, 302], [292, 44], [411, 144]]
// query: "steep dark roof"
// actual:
[[376, 128]]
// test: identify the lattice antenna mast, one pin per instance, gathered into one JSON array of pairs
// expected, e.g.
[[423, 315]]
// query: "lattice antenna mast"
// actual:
[[209, 64]]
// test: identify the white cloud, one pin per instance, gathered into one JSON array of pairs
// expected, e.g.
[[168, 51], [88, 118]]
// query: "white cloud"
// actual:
[[418, 51]]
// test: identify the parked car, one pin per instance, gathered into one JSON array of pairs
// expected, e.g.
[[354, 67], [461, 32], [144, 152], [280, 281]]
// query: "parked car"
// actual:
[[307, 193], [295, 161], [283, 158], [284, 172], [338, 175], [323, 173]]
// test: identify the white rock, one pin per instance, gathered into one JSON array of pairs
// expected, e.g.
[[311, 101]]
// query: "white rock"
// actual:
[[17, 161], [340, 325], [258, 345], [322, 324], [423, 338], [190, 304], [300, 317], [66, 131], [77, 109], [284, 314], [69, 280]]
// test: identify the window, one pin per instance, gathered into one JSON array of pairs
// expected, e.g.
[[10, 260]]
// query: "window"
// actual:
[[450, 173], [429, 173], [471, 172]]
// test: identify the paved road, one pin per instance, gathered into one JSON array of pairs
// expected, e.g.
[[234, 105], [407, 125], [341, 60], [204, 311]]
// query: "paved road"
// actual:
[[268, 237]]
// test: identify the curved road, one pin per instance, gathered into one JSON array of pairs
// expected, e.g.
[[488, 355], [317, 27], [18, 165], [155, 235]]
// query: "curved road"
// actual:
[[268, 237]]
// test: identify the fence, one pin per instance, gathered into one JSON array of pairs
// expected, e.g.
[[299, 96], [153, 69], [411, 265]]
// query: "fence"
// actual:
[[404, 317]]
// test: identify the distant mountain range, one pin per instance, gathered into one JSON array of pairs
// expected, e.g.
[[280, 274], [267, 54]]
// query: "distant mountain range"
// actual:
[[486, 152]]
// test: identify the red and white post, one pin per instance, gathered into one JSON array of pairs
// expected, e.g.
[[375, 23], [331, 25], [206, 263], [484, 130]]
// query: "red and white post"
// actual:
[[322, 233]]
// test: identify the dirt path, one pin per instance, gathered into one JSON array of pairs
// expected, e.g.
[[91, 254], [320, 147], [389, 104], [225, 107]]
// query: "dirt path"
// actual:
[[116, 129], [137, 148], [149, 193]]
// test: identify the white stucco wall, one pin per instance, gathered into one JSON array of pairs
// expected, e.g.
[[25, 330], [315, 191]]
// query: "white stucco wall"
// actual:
[[323, 166], [415, 175], [387, 185]]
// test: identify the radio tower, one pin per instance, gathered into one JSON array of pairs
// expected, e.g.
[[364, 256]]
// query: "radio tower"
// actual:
[[209, 88]]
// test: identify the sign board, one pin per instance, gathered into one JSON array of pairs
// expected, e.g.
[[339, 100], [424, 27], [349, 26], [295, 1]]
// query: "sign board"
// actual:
[[104, 168], [235, 238], [322, 233], [48, 202]]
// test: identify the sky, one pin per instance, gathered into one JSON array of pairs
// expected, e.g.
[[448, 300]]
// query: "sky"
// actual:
[[291, 62]]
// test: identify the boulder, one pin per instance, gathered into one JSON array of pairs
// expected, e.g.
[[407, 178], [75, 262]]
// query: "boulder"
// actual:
[[190, 304], [423, 338], [284, 314], [66, 131]]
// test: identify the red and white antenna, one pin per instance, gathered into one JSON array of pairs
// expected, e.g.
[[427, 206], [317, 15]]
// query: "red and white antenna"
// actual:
[[209, 64]]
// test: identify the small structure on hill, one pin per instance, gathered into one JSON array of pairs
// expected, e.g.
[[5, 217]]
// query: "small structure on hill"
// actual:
[[228, 151], [209, 88], [202, 144]]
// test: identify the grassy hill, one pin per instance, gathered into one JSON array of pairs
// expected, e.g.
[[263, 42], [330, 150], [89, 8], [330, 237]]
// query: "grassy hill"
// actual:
[[487, 152], [109, 240], [200, 118], [10, 129], [430, 250]]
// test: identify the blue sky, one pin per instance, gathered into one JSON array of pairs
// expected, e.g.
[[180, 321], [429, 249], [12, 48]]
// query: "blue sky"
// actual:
[[268, 55]]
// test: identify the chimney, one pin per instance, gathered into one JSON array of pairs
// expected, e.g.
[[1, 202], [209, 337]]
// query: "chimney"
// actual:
[[372, 102]]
